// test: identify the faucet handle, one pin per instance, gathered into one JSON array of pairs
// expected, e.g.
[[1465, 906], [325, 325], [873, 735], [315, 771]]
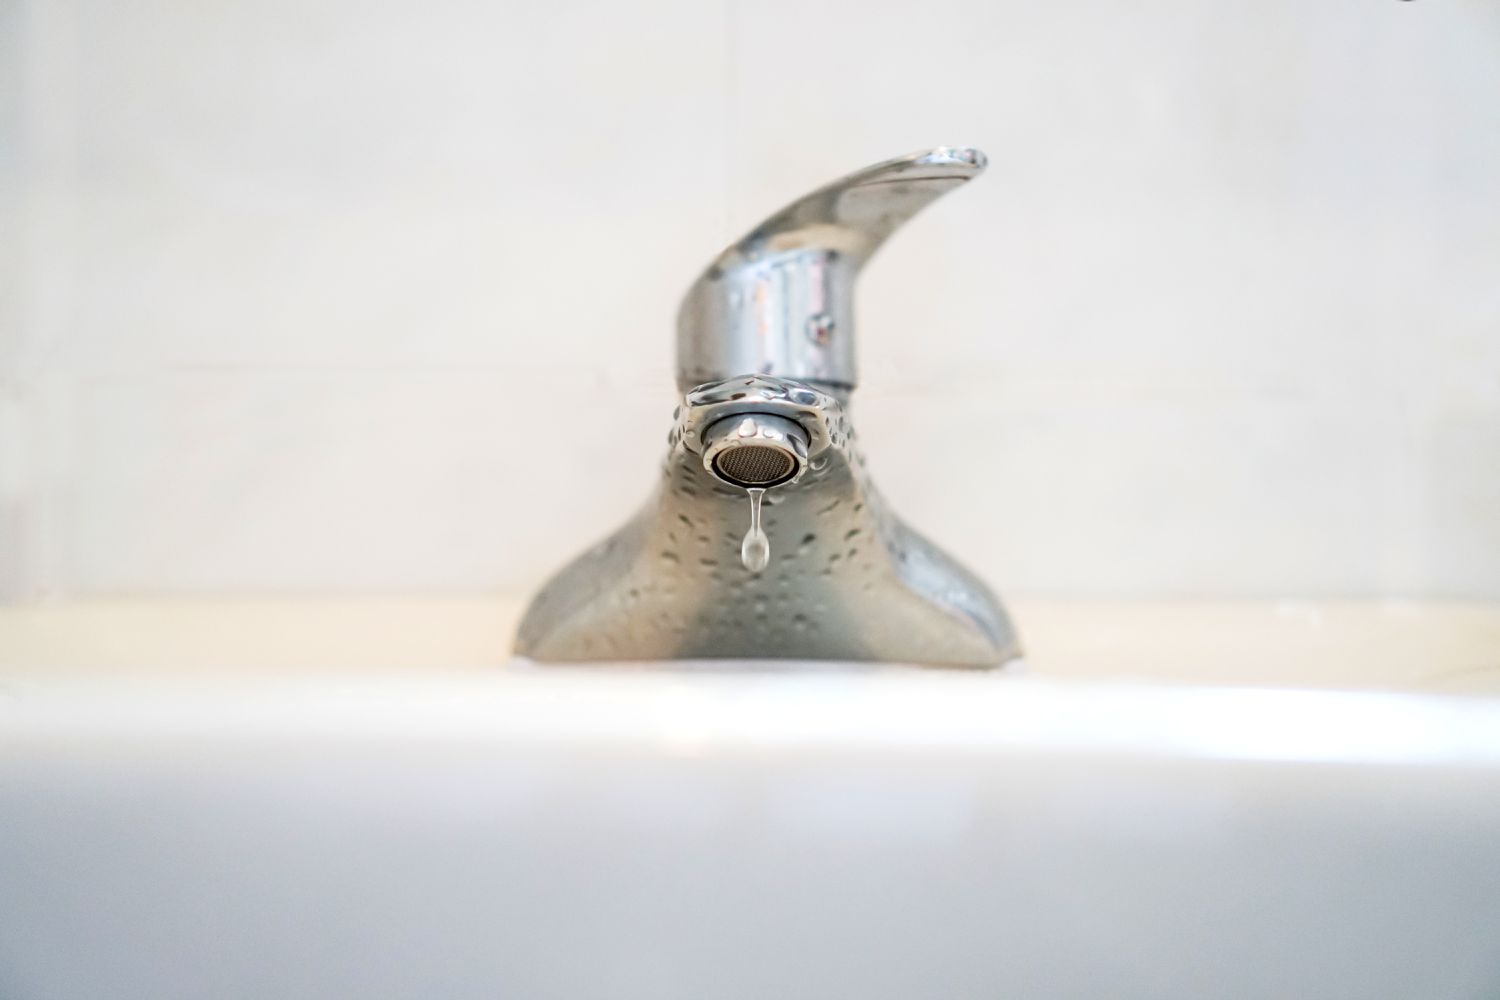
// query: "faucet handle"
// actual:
[[780, 300]]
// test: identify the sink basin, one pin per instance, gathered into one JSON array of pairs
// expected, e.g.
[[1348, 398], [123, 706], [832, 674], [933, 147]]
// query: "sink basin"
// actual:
[[645, 835]]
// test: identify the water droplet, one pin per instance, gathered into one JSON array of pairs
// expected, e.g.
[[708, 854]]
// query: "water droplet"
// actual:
[[755, 550], [820, 328]]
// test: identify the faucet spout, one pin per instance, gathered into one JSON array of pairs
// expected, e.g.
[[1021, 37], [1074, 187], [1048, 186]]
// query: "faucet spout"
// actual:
[[780, 300]]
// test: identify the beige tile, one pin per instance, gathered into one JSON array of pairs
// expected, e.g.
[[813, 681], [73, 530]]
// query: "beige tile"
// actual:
[[336, 185], [255, 482]]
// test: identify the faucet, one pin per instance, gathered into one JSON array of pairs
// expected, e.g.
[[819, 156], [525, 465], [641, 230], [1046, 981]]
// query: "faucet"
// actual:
[[765, 537]]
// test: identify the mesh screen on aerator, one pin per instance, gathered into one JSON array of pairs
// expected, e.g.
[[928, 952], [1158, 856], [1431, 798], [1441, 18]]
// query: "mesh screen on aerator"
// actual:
[[755, 465]]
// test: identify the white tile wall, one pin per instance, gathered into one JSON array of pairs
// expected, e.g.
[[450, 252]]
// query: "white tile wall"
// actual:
[[326, 296]]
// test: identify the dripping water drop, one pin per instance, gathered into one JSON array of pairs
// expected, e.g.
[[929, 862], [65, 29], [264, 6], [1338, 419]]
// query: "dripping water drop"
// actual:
[[755, 550]]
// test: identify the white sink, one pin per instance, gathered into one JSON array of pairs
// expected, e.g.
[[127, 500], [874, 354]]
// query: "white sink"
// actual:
[[907, 834]]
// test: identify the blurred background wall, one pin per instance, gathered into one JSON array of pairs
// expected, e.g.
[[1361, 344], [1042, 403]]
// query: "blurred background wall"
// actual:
[[325, 296]]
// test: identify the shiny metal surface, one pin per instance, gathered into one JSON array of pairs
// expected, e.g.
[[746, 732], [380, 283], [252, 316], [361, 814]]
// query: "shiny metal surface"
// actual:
[[846, 579], [780, 300]]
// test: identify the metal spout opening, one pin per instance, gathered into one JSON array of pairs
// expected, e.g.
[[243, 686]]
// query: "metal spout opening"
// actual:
[[755, 450], [756, 465]]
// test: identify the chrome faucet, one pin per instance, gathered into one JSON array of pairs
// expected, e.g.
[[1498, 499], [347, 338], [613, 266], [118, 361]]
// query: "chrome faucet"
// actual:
[[765, 537]]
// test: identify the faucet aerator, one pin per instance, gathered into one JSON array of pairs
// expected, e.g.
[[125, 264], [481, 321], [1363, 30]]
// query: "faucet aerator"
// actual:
[[755, 450]]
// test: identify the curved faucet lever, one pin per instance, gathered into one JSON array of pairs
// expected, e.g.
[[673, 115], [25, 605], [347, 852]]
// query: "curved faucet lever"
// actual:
[[780, 300]]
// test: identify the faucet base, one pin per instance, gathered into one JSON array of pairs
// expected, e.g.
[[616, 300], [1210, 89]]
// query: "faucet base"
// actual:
[[847, 580], [631, 598]]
